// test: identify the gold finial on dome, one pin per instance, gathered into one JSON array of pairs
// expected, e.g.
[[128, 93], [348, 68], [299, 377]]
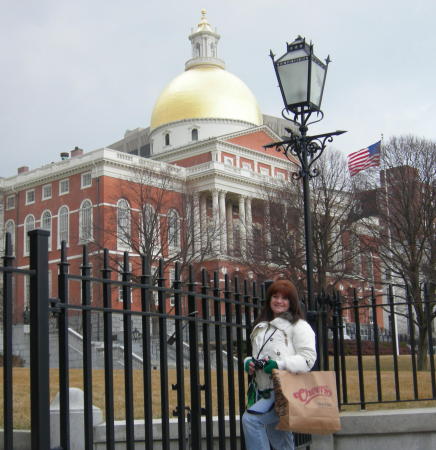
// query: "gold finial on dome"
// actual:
[[204, 24]]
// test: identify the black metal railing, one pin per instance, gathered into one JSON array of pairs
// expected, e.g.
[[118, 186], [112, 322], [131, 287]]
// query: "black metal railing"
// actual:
[[378, 365], [196, 373], [205, 371]]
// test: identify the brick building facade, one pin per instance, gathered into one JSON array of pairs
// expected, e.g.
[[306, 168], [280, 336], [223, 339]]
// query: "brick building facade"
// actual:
[[205, 144]]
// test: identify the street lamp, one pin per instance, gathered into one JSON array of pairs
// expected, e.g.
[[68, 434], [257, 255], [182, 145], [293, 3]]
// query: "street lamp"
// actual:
[[301, 77]]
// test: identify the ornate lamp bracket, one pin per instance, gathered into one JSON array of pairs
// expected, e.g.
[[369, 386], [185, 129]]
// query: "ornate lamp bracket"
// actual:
[[307, 149]]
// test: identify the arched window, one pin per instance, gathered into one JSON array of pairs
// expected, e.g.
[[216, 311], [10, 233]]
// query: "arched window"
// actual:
[[173, 229], [356, 255], [85, 221], [123, 224], [213, 50], [46, 225], [197, 50], [10, 228], [167, 138], [194, 134], [63, 225], [29, 225], [150, 229]]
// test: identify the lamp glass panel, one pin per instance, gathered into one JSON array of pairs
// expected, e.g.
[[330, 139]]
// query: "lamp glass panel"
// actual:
[[316, 83], [293, 54], [293, 77]]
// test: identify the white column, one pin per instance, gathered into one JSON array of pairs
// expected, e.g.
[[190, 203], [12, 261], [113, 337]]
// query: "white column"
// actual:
[[242, 225], [248, 221], [267, 231], [229, 214], [203, 220], [216, 221], [196, 224], [223, 226]]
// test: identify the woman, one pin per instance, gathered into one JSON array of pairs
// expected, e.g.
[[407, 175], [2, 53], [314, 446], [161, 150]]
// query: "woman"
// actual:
[[282, 340]]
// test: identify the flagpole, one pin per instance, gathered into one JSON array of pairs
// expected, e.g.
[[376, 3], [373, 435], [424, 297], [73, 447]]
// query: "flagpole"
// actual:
[[384, 168]]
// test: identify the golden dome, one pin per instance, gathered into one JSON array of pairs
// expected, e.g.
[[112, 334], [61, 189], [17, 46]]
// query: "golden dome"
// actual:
[[206, 91]]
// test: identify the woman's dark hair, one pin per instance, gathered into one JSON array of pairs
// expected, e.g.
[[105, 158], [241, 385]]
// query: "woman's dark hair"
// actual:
[[289, 291]]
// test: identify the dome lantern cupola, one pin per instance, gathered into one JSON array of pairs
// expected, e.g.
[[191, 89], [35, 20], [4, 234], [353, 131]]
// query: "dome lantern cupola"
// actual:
[[204, 43], [204, 101]]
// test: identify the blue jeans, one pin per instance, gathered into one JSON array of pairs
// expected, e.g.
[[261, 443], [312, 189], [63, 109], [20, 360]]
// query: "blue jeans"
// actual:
[[260, 432]]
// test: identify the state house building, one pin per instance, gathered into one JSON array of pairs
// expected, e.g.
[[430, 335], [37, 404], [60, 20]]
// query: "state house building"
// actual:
[[204, 143]]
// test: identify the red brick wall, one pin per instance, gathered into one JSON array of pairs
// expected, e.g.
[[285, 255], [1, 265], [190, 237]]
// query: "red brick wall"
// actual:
[[256, 141], [194, 160]]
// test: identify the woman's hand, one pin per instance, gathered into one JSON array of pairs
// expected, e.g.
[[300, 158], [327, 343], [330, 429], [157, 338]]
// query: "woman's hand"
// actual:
[[249, 366]]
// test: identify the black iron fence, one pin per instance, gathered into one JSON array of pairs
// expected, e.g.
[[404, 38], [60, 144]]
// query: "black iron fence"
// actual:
[[196, 377], [186, 364], [382, 347]]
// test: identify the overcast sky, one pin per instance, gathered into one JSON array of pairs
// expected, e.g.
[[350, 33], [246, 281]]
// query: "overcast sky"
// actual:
[[82, 72]]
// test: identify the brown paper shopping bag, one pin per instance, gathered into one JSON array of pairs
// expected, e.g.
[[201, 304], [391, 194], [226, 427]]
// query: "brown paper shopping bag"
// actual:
[[306, 402]]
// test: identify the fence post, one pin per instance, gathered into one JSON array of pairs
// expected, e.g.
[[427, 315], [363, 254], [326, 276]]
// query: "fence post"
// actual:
[[39, 342], [394, 340], [336, 351], [7, 346], [194, 366], [428, 314]]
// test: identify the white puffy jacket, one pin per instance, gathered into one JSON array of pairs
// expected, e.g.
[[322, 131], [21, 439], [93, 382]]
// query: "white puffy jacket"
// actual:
[[292, 346]]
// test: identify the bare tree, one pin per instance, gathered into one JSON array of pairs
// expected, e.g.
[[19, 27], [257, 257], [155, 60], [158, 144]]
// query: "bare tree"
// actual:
[[406, 209], [155, 218], [278, 239], [334, 206]]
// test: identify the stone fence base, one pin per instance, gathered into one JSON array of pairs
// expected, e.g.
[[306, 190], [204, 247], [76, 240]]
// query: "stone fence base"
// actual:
[[411, 429]]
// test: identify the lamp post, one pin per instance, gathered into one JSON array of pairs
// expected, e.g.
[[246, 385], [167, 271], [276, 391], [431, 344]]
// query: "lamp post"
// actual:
[[301, 77]]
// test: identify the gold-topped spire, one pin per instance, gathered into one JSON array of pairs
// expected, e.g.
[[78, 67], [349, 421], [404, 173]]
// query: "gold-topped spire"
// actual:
[[204, 24]]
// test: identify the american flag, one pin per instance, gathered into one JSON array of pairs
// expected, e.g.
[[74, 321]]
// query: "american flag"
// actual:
[[363, 159]]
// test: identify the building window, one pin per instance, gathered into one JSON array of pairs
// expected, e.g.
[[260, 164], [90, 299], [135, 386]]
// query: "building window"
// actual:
[[173, 229], [356, 255], [123, 224], [63, 225], [26, 292], [194, 134], [246, 165], [50, 283], [30, 196], [337, 250], [167, 139], [85, 221], [228, 161], [369, 267], [280, 175], [10, 202], [172, 277], [91, 288], [29, 225], [120, 286], [46, 192], [86, 180], [264, 170], [10, 228], [150, 230], [64, 186], [236, 240], [46, 225]]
